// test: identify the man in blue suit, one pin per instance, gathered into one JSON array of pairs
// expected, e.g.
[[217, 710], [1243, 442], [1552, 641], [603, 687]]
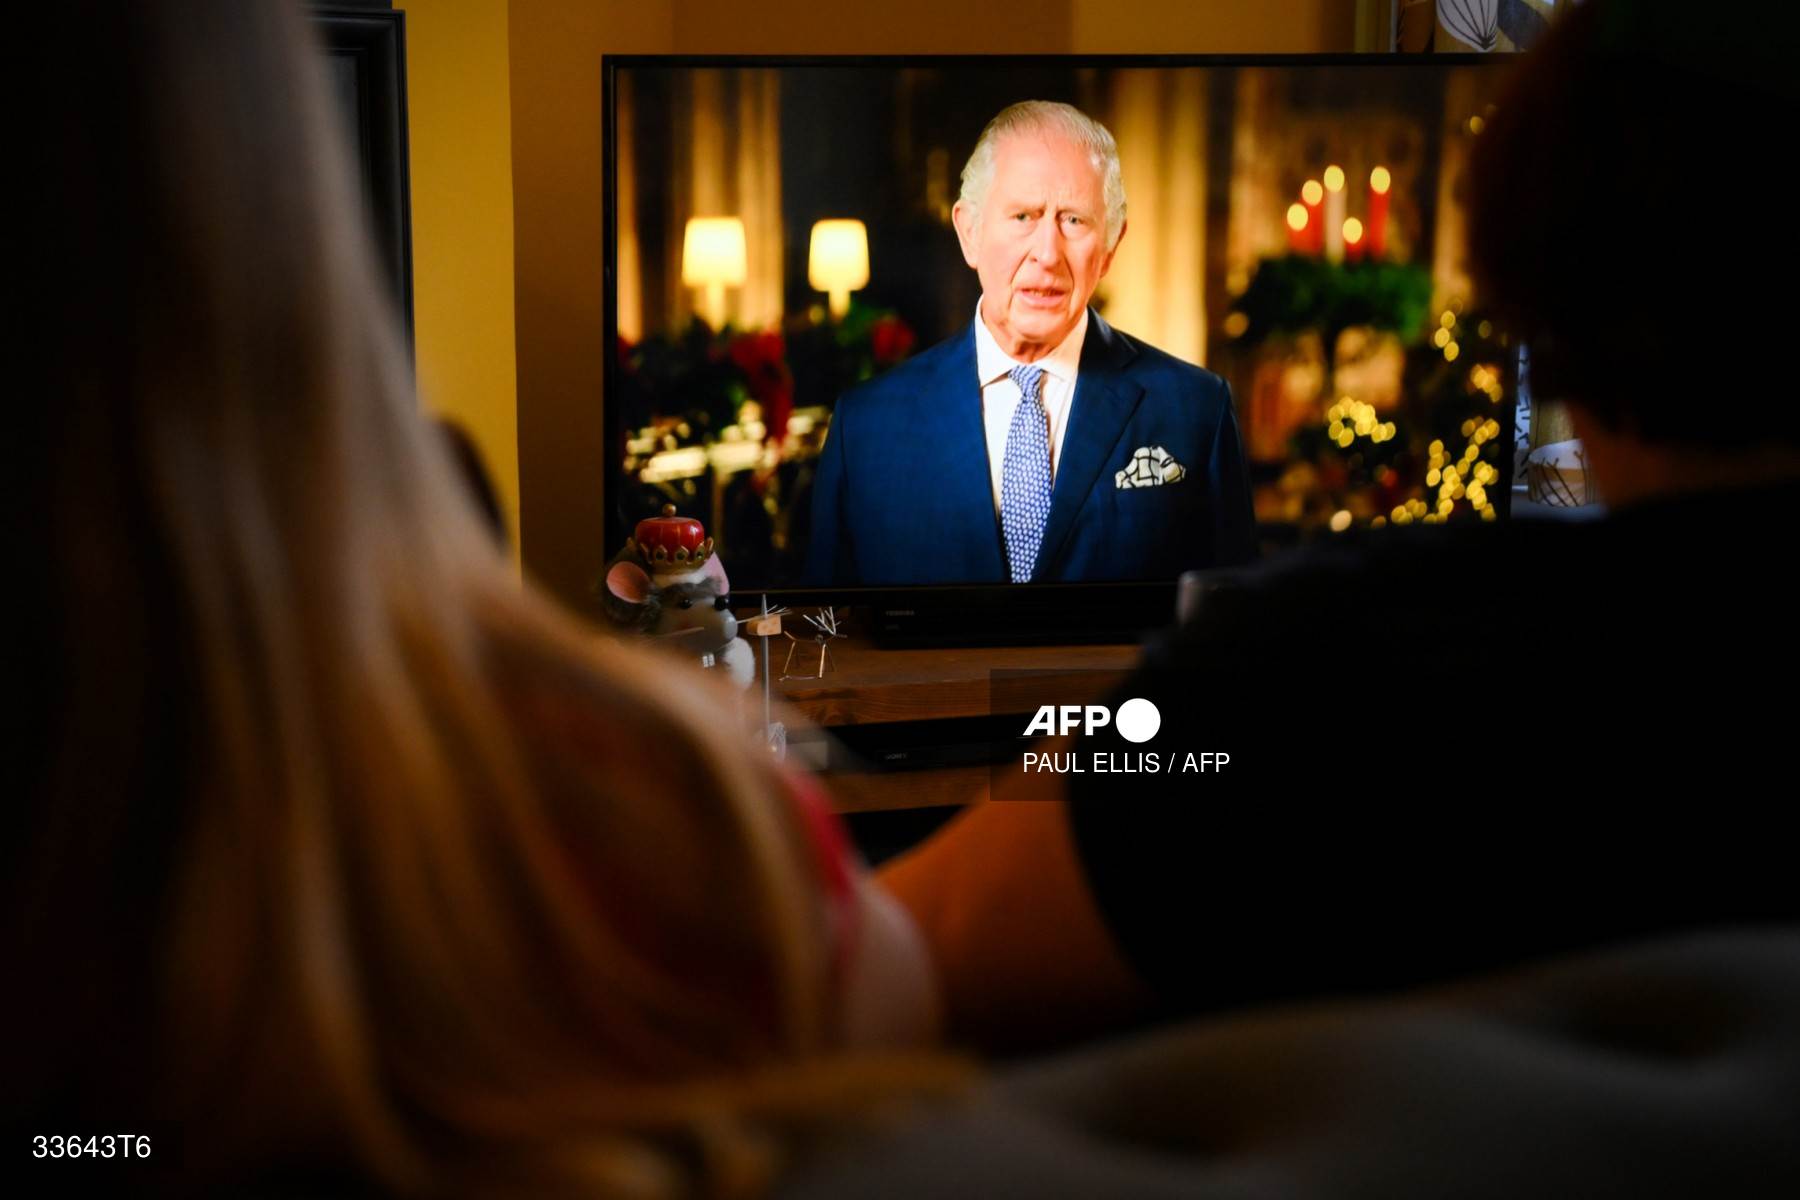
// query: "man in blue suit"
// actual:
[[1040, 444]]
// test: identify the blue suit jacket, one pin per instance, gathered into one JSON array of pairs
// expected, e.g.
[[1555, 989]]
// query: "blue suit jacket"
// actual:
[[903, 495]]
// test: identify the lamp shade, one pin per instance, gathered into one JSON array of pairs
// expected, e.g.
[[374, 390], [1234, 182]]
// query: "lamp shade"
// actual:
[[839, 257], [713, 252]]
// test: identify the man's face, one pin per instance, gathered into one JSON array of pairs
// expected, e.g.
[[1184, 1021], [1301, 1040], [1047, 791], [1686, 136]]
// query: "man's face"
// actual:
[[1039, 242]]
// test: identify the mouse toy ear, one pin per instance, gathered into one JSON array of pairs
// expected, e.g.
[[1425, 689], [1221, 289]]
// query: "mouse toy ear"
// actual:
[[714, 569], [628, 582]]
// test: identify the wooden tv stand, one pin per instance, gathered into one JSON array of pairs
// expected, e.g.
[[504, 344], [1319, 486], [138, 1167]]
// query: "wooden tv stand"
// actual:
[[869, 685]]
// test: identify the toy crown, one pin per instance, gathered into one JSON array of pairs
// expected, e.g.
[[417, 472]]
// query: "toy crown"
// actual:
[[670, 543]]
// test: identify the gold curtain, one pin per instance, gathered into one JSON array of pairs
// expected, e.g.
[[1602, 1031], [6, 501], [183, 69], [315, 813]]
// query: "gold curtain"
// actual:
[[1450, 252], [630, 269], [1156, 289], [727, 163]]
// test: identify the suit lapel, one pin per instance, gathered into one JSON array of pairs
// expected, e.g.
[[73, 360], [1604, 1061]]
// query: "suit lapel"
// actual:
[[955, 394], [1103, 404]]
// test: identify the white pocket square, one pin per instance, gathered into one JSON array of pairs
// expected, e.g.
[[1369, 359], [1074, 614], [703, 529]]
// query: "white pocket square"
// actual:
[[1150, 466]]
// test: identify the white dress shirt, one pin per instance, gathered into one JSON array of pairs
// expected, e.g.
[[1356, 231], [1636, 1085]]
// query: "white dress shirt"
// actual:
[[1000, 396]]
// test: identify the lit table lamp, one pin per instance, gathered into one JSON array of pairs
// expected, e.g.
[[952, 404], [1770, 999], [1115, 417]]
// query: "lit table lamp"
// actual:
[[713, 258], [838, 262]]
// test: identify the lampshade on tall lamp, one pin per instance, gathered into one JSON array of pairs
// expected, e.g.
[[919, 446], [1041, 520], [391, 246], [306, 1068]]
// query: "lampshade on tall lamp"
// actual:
[[838, 261], [713, 259]]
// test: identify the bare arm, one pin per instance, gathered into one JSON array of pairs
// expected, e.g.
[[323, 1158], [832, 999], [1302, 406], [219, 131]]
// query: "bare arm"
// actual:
[[1022, 954]]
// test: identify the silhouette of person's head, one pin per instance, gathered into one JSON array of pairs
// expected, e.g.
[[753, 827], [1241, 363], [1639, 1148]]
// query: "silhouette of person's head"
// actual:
[[1625, 220]]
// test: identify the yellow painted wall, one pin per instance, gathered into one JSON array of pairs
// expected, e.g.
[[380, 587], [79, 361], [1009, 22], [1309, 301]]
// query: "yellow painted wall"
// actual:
[[460, 130], [556, 47], [871, 27], [1214, 26]]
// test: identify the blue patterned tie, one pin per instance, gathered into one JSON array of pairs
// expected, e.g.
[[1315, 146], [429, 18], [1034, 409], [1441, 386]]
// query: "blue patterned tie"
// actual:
[[1025, 475]]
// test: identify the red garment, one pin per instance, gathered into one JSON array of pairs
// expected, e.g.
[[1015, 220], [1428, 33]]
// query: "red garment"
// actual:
[[833, 856]]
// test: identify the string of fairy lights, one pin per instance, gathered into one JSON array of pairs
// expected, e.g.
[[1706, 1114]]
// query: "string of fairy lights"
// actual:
[[1467, 478], [1340, 271]]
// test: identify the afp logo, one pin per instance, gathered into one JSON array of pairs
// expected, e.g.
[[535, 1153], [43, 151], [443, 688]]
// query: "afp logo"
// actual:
[[1137, 720]]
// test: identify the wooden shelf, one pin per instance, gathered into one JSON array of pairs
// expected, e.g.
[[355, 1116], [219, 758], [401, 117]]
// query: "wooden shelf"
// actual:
[[869, 685]]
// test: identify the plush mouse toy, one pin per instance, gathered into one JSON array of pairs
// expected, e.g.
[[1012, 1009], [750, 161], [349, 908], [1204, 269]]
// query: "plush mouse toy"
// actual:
[[667, 584]]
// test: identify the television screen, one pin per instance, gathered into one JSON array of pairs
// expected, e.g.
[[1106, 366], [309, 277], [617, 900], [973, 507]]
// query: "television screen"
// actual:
[[861, 359]]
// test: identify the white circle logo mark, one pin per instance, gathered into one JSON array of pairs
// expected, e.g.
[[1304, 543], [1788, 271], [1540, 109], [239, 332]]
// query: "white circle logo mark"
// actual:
[[1138, 720]]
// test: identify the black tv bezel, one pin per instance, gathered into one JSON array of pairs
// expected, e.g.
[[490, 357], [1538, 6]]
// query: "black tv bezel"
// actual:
[[992, 611]]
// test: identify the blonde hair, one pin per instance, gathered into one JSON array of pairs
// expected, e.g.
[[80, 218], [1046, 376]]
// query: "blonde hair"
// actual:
[[340, 847], [1048, 118]]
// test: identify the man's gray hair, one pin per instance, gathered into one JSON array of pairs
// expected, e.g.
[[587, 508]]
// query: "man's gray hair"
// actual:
[[1042, 117]]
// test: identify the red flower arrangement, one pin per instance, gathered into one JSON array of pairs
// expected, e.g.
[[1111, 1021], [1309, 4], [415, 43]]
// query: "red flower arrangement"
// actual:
[[762, 357], [890, 340]]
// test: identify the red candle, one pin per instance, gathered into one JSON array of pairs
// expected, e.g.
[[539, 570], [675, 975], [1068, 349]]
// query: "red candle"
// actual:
[[1313, 197], [1299, 229], [1353, 240], [1380, 184]]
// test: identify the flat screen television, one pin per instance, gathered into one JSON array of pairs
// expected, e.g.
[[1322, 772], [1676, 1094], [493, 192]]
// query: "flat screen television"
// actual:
[[783, 232]]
